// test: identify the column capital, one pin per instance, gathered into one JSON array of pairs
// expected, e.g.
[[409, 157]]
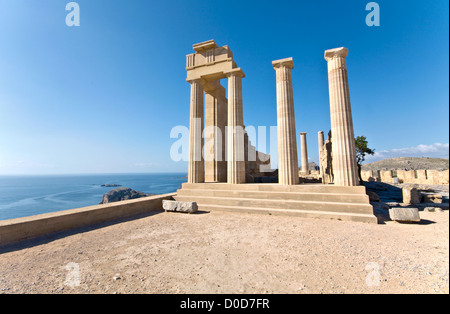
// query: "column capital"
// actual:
[[199, 81], [235, 72], [303, 133], [320, 132], [287, 62], [341, 52]]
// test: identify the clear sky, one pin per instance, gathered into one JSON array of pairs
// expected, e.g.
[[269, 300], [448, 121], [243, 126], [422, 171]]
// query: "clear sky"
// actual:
[[104, 96]]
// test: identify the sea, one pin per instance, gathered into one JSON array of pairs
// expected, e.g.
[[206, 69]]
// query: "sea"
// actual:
[[22, 196]]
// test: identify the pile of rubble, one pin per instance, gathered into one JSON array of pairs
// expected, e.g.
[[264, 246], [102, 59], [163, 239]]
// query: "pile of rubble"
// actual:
[[403, 202]]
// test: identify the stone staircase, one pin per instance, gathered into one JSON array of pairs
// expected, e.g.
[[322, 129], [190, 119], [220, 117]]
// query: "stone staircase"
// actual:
[[306, 200]]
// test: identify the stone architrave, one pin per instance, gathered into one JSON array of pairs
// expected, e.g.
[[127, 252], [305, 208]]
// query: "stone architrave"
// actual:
[[344, 152], [196, 169], [235, 128], [287, 142]]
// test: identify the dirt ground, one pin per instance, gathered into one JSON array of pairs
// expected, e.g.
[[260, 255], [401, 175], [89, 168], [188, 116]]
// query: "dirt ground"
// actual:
[[234, 253]]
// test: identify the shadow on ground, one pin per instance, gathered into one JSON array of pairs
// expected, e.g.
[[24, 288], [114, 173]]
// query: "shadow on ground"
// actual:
[[17, 246]]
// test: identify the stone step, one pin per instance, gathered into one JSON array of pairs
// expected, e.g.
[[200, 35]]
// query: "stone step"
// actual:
[[278, 204], [273, 187], [367, 218], [274, 195]]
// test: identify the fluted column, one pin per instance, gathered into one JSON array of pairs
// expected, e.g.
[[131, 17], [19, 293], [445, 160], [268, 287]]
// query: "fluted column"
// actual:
[[321, 142], [235, 129], [287, 138], [304, 153], [344, 153], [196, 167], [222, 103]]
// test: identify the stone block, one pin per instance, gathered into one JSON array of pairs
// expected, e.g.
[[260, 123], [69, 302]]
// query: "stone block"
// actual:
[[404, 214], [409, 176], [432, 198], [373, 196], [433, 176], [433, 210], [401, 175], [182, 207], [386, 176], [366, 174], [444, 177], [411, 195], [421, 176]]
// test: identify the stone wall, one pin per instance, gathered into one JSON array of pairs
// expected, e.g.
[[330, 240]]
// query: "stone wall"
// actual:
[[14, 230], [257, 164], [407, 176]]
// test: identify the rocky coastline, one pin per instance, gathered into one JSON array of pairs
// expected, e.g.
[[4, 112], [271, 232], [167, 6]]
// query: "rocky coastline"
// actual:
[[122, 194]]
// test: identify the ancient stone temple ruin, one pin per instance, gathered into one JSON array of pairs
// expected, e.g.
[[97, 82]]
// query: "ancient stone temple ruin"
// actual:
[[220, 164]]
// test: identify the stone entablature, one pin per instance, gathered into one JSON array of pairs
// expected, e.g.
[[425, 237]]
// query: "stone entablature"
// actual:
[[210, 62]]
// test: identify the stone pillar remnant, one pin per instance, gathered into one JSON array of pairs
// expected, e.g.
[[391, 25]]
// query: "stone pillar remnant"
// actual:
[[304, 152]]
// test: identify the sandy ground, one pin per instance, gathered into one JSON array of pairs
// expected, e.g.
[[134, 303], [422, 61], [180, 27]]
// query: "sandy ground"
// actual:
[[234, 253]]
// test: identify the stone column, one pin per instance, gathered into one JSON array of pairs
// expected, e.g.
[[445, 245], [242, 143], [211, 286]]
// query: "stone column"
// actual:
[[321, 142], [214, 134], [344, 152], [211, 138], [287, 138], [196, 167], [304, 152], [222, 104], [235, 128]]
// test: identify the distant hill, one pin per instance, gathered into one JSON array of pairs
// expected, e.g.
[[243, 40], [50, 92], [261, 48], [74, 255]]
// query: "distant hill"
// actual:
[[408, 163]]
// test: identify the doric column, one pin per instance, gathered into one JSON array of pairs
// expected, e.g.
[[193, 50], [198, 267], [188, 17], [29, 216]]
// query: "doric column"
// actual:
[[196, 168], [344, 153], [222, 116], [287, 138], [214, 134], [304, 152], [235, 128], [321, 142]]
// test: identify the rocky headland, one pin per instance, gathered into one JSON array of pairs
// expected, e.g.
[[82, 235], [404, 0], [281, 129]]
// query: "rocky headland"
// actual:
[[122, 194]]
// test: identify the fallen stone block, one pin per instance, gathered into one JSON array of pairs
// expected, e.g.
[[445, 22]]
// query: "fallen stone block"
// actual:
[[411, 195], [433, 210], [182, 207], [404, 214], [432, 198]]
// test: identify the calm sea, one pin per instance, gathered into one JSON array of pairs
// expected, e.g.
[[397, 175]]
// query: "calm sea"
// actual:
[[22, 196]]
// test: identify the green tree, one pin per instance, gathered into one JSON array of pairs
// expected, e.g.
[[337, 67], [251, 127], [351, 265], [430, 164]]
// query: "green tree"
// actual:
[[362, 149]]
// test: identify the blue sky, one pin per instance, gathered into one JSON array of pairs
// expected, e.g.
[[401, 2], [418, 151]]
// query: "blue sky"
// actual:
[[104, 96]]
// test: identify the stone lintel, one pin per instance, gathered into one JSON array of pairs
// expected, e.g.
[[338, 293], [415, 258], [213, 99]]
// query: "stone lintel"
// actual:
[[287, 62], [214, 88], [236, 72], [336, 52], [206, 45]]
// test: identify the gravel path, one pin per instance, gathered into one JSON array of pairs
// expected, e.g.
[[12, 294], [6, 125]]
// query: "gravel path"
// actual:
[[234, 253]]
